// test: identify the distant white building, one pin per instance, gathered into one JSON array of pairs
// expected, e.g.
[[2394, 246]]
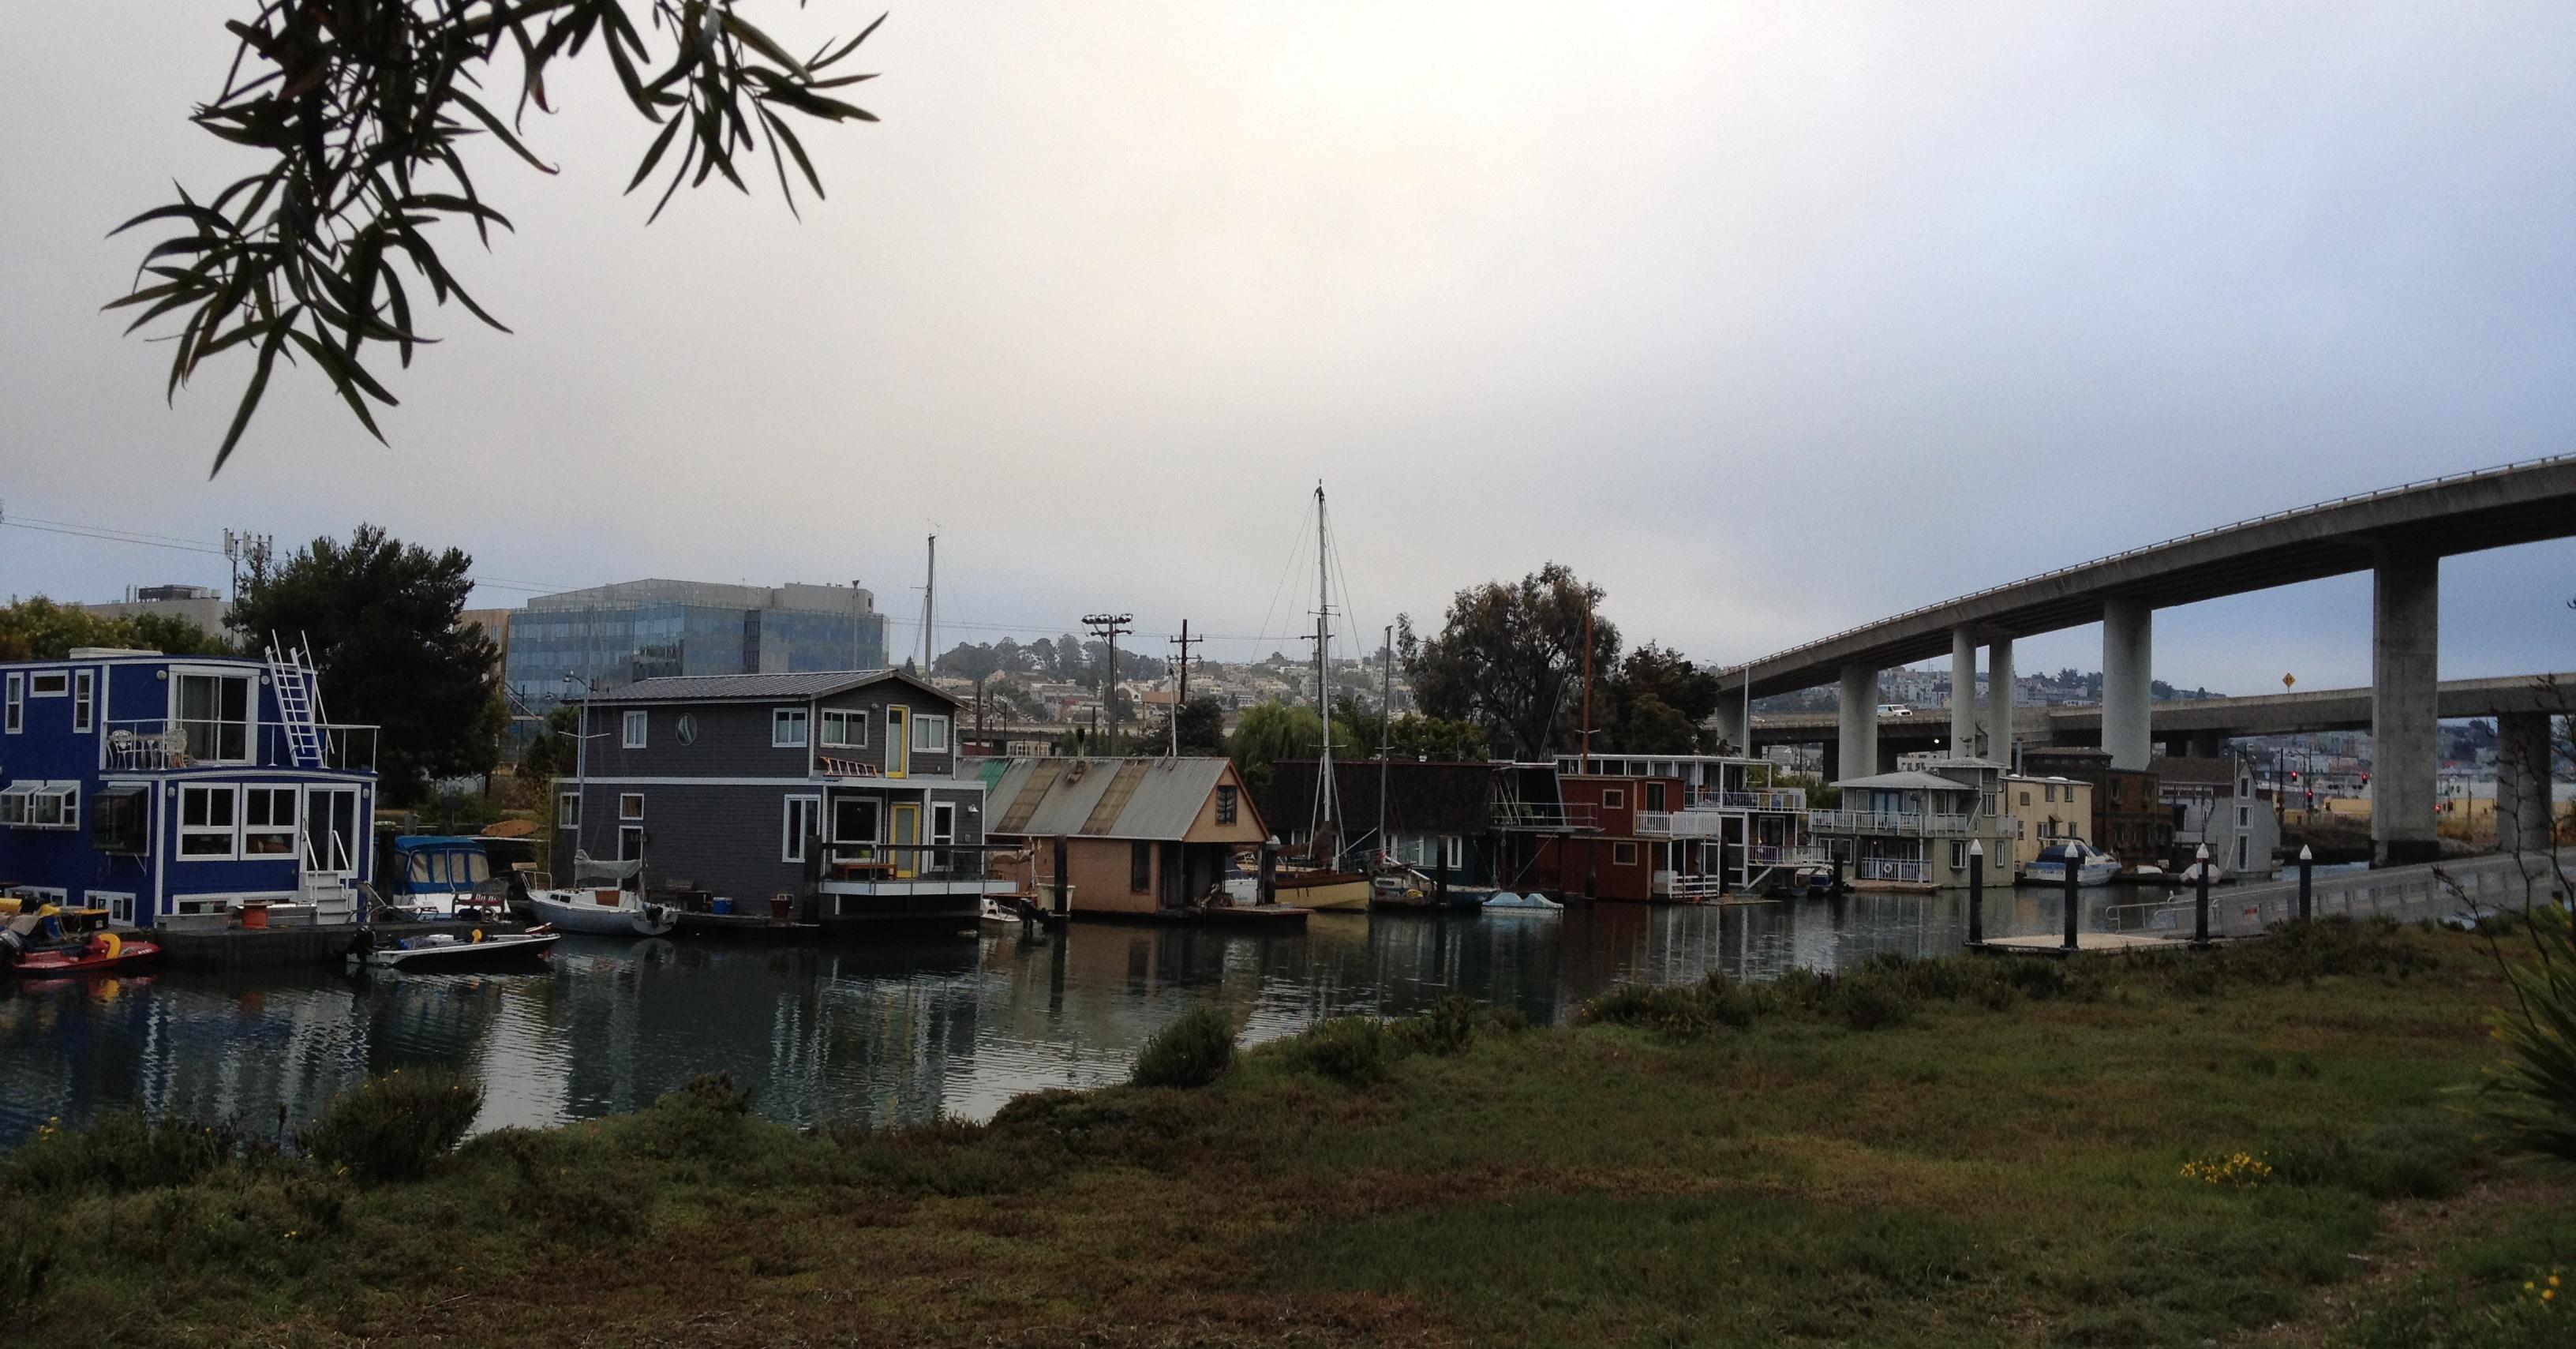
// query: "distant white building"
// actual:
[[201, 605]]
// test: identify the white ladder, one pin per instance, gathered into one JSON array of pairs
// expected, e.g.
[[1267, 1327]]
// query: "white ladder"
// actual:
[[299, 701]]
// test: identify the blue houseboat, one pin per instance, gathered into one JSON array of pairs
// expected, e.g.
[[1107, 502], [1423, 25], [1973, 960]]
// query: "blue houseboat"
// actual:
[[168, 790]]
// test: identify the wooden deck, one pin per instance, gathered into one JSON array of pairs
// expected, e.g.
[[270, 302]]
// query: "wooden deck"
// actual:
[[2054, 943]]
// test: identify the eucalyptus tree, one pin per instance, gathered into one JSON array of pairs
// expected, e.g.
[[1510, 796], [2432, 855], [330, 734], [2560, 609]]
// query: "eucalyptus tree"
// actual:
[[363, 110]]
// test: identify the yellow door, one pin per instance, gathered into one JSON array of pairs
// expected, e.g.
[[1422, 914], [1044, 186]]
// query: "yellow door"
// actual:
[[907, 833], [898, 741]]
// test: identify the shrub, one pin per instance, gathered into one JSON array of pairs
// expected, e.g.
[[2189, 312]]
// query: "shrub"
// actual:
[[1447, 1029], [569, 1203], [121, 1152], [1729, 1003], [1871, 1000], [2534, 1095], [699, 1118], [393, 1127], [1355, 1051], [1662, 1008], [1193, 1051]]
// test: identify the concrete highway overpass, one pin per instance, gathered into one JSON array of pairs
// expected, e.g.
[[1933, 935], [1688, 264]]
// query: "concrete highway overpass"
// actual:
[[2193, 726], [2399, 535]]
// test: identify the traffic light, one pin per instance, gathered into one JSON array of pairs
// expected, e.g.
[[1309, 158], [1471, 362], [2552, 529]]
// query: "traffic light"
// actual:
[[2365, 779], [2294, 775]]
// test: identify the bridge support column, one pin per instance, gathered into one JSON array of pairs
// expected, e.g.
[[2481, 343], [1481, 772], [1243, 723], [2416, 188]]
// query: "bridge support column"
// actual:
[[2523, 807], [2208, 744], [2128, 698], [2404, 704], [1730, 723], [1999, 705], [1963, 694], [1858, 709]]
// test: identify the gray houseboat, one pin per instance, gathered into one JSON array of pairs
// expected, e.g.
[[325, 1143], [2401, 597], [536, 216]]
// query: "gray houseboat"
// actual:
[[837, 792]]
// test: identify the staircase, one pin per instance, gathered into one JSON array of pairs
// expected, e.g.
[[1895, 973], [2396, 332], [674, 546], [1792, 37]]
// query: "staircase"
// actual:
[[299, 701]]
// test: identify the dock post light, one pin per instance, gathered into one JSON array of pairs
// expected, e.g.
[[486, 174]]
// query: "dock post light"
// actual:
[[1976, 892], [2200, 889], [2072, 862]]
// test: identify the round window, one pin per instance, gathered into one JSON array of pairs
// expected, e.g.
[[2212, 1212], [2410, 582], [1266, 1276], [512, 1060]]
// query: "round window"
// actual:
[[688, 728]]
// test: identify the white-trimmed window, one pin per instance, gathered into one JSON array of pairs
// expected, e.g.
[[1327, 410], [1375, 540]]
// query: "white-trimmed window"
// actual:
[[803, 820], [1453, 849], [787, 728], [214, 710], [209, 822], [1623, 854], [36, 804], [49, 683], [1613, 798], [17, 702], [634, 738], [120, 907], [568, 810], [943, 832], [85, 705], [845, 728], [630, 805], [929, 734], [268, 821], [16, 803]]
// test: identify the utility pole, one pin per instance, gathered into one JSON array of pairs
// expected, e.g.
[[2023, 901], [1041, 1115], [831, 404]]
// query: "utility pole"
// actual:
[[930, 609], [245, 549], [1109, 627], [1181, 698]]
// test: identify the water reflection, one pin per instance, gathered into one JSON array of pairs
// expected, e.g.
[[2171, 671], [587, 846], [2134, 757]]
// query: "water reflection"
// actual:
[[886, 1032]]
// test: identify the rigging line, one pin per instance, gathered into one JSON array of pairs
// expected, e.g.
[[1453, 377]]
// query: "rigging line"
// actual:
[[1296, 550]]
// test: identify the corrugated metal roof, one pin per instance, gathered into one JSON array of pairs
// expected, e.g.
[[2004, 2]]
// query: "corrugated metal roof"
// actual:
[[1049, 797], [1909, 781], [694, 688]]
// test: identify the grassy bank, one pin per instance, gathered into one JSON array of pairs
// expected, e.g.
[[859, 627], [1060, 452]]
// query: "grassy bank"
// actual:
[[1958, 1152]]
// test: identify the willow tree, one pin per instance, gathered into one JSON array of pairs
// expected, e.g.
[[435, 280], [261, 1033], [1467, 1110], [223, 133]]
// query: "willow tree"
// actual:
[[364, 110]]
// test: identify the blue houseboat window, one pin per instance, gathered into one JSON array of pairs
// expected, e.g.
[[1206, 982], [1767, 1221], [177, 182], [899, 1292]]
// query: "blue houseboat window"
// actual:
[[268, 821], [17, 703], [207, 818], [215, 712], [84, 701], [116, 823]]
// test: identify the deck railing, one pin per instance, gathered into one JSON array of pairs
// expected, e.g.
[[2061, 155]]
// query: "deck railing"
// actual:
[[1545, 816], [1887, 822], [1891, 869], [1784, 855], [157, 744], [1670, 886]]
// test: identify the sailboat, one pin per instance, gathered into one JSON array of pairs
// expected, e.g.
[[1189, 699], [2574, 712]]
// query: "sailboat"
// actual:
[[1319, 882]]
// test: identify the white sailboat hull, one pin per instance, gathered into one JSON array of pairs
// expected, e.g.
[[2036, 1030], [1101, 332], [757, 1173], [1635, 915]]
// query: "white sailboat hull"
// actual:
[[580, 911]]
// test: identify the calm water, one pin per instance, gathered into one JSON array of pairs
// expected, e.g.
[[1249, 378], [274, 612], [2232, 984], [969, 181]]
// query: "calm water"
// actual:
[[880, 1033]]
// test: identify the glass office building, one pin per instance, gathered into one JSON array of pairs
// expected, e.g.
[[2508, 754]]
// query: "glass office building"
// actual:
[[617, 634]]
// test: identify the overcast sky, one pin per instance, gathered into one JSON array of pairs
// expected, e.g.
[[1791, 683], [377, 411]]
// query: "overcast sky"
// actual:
[[1770, 319]]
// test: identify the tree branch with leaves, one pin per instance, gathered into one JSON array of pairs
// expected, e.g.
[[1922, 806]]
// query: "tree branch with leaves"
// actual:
[[365, 108]]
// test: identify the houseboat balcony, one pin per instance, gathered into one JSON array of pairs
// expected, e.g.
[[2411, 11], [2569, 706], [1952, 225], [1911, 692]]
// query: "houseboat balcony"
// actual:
[[1707, 823], [1908, 869], [886, 869], [164, 744], [1547, 817], [1888, 822], [1784, 800], [1784, 855], [1670, 886]]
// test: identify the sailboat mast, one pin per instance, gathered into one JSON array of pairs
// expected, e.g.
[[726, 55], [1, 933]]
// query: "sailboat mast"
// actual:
[[1323, 677], [930, 609], [1385, 736]]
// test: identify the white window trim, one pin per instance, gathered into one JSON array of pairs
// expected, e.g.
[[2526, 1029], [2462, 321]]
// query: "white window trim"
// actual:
[[1453, 848], [922, 723], [568, 810], [250, 708], [18, 803], [634, 729], [801, 718], [876, 836], [84, 701], [36, 688], [118, 903], [943, 835], [849, 717], [17, 716], [625, 816], [292, 829], [229, 832], [791, 846]]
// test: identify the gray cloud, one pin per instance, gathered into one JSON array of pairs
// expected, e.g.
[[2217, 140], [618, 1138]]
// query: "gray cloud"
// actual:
[[1770, 320]]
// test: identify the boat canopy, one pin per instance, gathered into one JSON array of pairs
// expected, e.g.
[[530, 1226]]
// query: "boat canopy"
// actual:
[[588, 868]]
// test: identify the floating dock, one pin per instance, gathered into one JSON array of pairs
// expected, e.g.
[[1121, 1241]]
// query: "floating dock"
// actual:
[[229, 947], [2054, 943], [748, 926], [1259, 917]]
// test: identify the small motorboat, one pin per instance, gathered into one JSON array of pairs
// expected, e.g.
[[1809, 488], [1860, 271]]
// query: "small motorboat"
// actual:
[[1402, 887], [2092, 865], [1813, 881], [58, 943], [441, 950], [996, 916], [1511, 901]]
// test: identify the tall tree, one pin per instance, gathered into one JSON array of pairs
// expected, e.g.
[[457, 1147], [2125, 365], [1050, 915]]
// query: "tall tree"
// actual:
[[1509, 659], [1269, 732], [381, 617], [1659, 703], [1202, 730], [362, 112]]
